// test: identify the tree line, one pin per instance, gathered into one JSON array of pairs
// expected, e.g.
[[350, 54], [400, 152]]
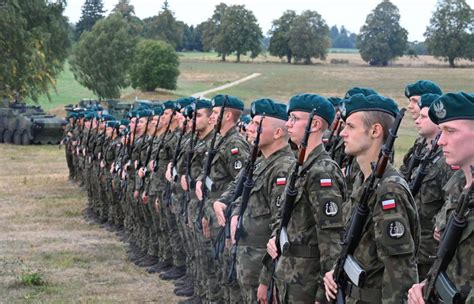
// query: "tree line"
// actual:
[[112, 52]]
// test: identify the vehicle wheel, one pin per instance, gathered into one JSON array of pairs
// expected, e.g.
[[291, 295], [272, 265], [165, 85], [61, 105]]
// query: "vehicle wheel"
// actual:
[[17, 137], [7, 136], [25, 139], [1, 135]]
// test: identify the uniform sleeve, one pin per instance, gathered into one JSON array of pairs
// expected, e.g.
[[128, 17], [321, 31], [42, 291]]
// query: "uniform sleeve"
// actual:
[[229, 193], [395, 241], [235, 157], [327, 194]]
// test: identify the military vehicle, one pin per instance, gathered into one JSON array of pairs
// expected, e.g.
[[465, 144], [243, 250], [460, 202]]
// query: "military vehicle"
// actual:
[[23, 124], [118, 109]]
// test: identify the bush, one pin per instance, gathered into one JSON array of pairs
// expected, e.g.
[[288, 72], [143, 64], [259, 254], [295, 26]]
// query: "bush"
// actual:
[[155, 65]]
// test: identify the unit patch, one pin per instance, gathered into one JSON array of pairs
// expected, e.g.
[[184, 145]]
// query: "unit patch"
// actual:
[[331, 209], [396, 230]]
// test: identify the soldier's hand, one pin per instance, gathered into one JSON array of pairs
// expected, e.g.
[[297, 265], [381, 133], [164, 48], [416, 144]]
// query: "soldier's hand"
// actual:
[[144, 198], [184, 183], [205, 228], [151, 165], [157, 205], [168, 172], [135, 194], [330, 285], [112, 169], [141, 172], [102, 163], [219, 208], [415, 294], [272, 248], [262, 294], [233, 227], [437, 234], [199, 190]]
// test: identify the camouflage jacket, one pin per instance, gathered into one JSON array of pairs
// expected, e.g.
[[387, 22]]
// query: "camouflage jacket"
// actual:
[[199, 157], [429, 201], [388, 246], [163, 157], [315, 224], [231, 153]]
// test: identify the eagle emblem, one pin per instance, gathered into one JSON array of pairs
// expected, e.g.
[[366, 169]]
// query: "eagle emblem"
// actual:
[[439, 109]]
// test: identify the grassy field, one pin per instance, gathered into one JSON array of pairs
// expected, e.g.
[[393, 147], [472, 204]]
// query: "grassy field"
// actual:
[[49, 254]]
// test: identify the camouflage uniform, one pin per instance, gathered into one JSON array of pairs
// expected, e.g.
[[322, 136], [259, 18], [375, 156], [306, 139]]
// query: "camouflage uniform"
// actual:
[[259, 219], [111, 154], [202, 269], [231, 153], [410, 153], [429, 201], [68, 148], [388, 247], [313, 230], [460, 268]]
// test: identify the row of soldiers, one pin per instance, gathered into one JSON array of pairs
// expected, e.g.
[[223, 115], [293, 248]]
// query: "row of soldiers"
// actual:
[[300, 205]]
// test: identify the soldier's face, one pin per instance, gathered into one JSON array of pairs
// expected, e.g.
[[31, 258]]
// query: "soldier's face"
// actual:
[[457, 141], [141, 125], [413, 107], [296, 125], [153, 124], [215, 114], [426, 127], [356, 135], [108, 131], [133, 125], [203, 120], [252, 128], [180, 118], [87, 124]]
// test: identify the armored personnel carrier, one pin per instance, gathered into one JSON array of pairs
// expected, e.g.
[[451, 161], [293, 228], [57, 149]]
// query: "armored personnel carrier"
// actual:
[[23, 124]]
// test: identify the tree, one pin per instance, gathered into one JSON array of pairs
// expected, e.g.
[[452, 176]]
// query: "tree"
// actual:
[[309, 37], [211, 30], [381, 38], [165, 27], [102, 57], [33, 46], [127, 11], [92, 11], [448, 32], [155, 65], [240, 32], [280, 36]]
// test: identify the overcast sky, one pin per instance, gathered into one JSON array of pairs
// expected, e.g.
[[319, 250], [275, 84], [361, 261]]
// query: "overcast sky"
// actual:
[[415, 14]]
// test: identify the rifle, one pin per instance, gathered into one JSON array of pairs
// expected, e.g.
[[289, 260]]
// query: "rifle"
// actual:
[[416, 182], [224, 232], [91, 158], [291, 192], [207, 185], [334, 133], [189, 179], [157, 158], [415, 160], [347, 268], [248, 185], [174, 162], [439, 286]]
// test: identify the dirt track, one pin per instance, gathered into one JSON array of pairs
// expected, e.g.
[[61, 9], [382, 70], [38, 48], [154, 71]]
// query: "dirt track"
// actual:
[[43, 234]]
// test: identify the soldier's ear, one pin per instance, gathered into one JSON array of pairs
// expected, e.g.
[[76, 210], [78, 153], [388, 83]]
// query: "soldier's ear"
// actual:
[[376, 131]]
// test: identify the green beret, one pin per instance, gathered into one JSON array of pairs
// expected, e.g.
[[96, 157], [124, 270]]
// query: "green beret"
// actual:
[[158, 110], [245, 119], [335, 101], [107, 117], [124, 122], [89, 115], [422, 87], [427, 99], [308, 102], [232, 102], [184, 102], [80, 114], [357, 90], [144, 113], [269, 108], [169, 104], [452, 106], [375, 102], [73, 116], [132, 114], [203, 104], [189, 110], [112, 124]]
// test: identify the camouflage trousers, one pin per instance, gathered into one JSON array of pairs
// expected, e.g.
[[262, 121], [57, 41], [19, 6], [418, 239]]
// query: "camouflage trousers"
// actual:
[[249, 266]]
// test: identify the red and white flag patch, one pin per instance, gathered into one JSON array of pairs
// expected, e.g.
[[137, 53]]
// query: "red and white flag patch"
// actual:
[[388, 204], [454, 167], [234, 151], [325, 182], [281, 181]]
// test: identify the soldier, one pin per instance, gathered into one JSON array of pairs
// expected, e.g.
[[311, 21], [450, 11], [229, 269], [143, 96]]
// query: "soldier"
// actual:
[[430, 197], [259, 217], [68, 143], [316, 219], [196, 156], [413, 92], [231, 152], [388, 245], [454, 113]]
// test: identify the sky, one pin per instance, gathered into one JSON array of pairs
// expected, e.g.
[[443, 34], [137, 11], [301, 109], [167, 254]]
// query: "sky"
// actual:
[[414, 14]]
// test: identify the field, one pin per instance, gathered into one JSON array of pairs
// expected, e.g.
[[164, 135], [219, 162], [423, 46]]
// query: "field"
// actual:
[[43, 237]]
